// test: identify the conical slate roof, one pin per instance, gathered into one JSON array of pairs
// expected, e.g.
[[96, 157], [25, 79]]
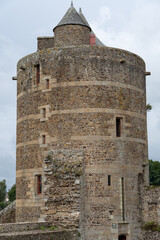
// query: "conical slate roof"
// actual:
[[98, 42], [72, 18], [83, 18]]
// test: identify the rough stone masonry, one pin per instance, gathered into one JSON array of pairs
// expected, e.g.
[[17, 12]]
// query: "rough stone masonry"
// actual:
[[82, 153]]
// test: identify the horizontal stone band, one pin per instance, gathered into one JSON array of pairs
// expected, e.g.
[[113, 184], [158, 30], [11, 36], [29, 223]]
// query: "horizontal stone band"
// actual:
[[85, 110], [89, 138], [85, 83]]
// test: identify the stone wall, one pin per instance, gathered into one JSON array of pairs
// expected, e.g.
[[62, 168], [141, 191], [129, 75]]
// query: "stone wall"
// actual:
[[89, 87], [41, 235], [19, 227], [45, 42], [151, 204], [7, 215], [71, 35], [149, 235], [63, 203]]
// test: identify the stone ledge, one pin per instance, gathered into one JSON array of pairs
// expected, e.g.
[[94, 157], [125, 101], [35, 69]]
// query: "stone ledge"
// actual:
[[42, 235], [16, 227]]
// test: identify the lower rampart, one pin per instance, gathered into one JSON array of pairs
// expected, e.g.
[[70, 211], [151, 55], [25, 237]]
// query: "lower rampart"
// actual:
[[7, 215], [149, 235], [41, 235], [36, 231]]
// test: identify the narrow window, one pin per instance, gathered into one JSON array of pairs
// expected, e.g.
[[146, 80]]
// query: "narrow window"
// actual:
[[47, 83], [38, 73], [43, 139], [44, 112], [109, 180], [123, 203], [39, 185], [118, 127]]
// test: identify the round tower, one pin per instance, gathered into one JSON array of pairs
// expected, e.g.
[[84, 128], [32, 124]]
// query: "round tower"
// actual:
[[72, 30], [87, 105]]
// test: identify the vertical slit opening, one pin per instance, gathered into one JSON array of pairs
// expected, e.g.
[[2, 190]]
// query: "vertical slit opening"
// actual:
[[39, 184], [38, 73], [118, 127], [123, 204], [109, 180], [43, 139]]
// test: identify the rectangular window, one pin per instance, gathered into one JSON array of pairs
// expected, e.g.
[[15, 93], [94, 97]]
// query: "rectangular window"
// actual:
[[38, 73], [39, 184], [118, 127], [44, 112], [43, 139], [47, 83], [109, 180]]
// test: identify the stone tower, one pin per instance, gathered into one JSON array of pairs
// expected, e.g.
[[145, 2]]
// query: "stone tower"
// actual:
[[81, 134]]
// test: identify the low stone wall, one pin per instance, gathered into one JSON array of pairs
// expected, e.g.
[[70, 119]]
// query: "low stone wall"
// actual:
[[7, 215], [19, 227], [149, 235], [42, 235]]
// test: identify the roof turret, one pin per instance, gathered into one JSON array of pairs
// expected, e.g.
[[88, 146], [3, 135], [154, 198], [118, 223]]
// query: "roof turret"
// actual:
[[72, 18], [83, 18]]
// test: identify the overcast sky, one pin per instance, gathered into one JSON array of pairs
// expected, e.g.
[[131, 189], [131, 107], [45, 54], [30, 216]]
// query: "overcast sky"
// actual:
[[133, 25]]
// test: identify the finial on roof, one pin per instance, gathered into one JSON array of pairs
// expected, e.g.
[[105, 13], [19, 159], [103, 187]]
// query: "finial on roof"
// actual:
[[71, 3], [80, 10]]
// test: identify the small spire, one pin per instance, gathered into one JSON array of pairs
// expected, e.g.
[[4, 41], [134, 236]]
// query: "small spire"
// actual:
[[80, 10], [71, 3]]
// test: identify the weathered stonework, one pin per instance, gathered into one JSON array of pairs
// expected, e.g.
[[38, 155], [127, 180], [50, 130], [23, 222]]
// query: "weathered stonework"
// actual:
[[67, 110], [45, 42], [7, 215], [71, 35]]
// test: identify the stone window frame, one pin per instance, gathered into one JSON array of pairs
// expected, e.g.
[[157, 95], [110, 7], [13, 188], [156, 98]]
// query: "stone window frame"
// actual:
[[36, 176], [119, 126]]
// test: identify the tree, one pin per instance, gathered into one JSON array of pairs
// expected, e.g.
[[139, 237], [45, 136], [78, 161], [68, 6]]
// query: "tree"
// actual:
[[3, 188], [12, 193], [154, 172]]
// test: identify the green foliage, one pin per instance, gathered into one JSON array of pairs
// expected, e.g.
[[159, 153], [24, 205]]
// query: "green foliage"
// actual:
[[149, 107], [152, 226], [42, 228], [154, 172], [53, 227], [12, 193], [3, 205], [3, 188]]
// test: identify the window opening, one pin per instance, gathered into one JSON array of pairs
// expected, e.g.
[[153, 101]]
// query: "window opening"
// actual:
[[118, 127], [43, 139], [109, 180], [47, 83], [39, 184], [44, 112], [38, 73]]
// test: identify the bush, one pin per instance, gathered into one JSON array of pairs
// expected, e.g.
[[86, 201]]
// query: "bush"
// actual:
[[152, 226]]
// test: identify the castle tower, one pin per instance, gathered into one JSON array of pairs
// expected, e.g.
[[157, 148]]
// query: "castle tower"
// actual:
[[85, 103]]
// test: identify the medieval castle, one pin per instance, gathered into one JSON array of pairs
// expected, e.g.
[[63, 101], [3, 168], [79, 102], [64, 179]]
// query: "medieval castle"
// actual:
[[82, 154]]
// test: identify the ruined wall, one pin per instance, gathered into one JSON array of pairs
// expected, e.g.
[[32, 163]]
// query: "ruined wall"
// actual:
[[7, 215], [89, 87], [151, 204], [63, 169]]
